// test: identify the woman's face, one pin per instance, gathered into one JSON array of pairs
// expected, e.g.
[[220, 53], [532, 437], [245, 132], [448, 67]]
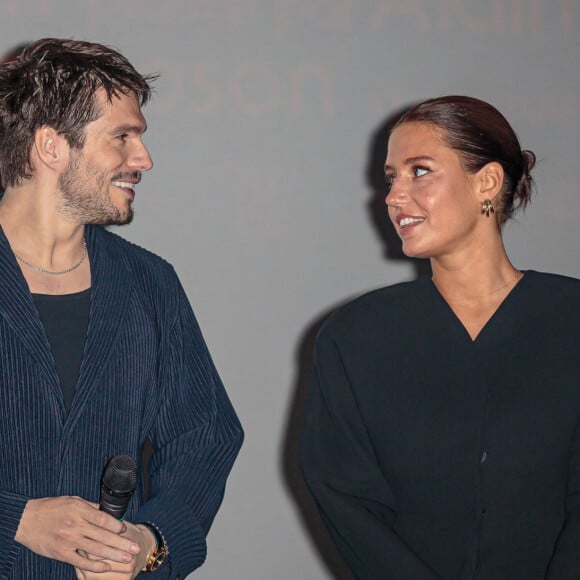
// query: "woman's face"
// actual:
[[432, 200]]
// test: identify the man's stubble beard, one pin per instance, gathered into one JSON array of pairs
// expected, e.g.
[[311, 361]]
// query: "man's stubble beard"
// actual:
[[84, 196]]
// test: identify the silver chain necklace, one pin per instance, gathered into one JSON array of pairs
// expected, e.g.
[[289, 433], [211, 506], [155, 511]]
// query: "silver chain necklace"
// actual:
[[49, 272]]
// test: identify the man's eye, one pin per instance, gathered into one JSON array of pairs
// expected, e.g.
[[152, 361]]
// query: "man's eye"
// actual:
[[123, 137], [420, 171]]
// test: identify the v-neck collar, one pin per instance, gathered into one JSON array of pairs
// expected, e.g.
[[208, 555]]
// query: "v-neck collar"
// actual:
[[497, 313]]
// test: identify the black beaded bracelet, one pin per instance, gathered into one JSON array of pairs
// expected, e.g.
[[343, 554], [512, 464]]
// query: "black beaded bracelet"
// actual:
[[159, 539], [160, 553]]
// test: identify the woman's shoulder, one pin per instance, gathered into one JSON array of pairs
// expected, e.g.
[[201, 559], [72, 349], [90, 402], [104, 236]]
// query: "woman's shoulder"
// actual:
[[555, 285], [548, 301], [378, 307]]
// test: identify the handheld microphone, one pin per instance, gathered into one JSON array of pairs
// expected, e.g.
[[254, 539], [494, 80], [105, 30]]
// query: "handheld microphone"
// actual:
[[117, 485]]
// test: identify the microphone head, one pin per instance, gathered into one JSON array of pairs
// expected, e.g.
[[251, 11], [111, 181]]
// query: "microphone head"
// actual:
[[120, 476], [117, 485]]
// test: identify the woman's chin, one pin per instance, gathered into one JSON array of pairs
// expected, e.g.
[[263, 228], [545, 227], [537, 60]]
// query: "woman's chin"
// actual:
[[412, 251]]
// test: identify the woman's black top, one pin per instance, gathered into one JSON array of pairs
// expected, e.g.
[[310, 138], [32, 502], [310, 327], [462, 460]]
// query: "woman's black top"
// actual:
[[435, 456], [66, 320]]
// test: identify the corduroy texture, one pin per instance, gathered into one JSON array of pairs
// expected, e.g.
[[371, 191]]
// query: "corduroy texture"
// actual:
[[146, 373]]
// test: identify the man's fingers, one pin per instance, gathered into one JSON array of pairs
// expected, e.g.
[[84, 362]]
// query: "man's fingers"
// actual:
[[114, 574], [84, 564], [105, 547], [58, 527], [114, 541], [104, 520]]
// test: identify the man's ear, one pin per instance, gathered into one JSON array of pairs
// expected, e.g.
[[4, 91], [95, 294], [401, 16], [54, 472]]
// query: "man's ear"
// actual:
[[50, 149], [490, 181]]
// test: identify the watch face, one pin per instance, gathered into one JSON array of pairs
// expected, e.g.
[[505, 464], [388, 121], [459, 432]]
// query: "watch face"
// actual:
[[156, 560]]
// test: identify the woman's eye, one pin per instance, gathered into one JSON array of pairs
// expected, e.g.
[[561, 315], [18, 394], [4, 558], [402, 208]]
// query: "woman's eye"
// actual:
[[420, 171], [389, 180]]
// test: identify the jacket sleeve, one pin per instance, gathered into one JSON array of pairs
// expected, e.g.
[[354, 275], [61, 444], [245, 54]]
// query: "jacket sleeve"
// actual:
[[196, 438], [341, 470], [565, 563], [11, 507]]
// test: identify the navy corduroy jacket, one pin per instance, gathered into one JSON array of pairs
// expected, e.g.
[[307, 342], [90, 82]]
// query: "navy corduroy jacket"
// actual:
[[146, 373]]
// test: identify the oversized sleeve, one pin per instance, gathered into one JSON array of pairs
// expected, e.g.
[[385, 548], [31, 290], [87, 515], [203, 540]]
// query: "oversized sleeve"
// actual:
[[342, 472], [11, 507], [196, 438], [565, 563]]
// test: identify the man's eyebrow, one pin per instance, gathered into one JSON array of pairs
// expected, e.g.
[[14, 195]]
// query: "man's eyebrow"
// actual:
[[134, 129], [411, 160]]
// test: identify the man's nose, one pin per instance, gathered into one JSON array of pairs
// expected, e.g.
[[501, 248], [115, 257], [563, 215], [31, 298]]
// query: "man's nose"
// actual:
[[140, 159]]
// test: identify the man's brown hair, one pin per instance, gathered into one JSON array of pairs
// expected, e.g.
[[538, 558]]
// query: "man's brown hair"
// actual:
[[54, 83]]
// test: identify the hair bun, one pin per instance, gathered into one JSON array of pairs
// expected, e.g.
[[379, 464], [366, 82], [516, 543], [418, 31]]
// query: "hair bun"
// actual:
[[529, 162], [523, 190]]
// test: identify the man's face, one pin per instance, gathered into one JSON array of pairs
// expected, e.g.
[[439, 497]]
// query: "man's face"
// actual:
[[98, 185]]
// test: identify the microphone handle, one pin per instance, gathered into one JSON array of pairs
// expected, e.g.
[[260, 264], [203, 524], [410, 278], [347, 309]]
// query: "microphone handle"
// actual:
[[114, 504]]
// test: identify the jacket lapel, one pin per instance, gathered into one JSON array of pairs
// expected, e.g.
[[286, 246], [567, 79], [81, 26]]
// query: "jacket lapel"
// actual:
[[111, 289], [19, 312]]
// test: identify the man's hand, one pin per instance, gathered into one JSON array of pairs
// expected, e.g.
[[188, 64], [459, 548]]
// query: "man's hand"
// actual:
[[61, 527], [138, 534]]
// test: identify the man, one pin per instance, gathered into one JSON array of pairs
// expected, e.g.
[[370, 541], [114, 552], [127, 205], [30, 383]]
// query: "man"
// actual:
[[99, 348]]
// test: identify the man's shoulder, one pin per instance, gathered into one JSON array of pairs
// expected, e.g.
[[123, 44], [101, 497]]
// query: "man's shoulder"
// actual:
[[135, 255], [152, 277]]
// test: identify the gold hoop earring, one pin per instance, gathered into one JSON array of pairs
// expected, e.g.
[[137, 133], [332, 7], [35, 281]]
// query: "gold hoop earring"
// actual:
[[487, 207]]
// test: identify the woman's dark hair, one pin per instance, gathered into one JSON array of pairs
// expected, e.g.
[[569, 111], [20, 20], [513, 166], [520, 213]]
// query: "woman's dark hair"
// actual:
[[480, 134], [54, 83]]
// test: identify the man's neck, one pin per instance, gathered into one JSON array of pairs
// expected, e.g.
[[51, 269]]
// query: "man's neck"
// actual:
[[34, 226], [43, 241]]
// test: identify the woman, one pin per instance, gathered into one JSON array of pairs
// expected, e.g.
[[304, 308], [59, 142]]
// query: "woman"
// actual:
[[442, 439]]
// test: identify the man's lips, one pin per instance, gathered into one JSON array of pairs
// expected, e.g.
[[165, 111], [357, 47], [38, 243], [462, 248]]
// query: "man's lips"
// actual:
[[127, 182]]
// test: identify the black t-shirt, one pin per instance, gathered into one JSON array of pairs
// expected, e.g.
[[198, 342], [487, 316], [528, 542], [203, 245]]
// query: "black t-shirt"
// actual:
[[66, 320]]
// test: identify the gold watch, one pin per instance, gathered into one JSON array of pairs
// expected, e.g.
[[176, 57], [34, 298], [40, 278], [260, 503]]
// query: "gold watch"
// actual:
[[157, 557]]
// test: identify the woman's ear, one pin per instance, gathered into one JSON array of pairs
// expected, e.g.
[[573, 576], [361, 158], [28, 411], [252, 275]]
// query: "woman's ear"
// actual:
[[490, 181]]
